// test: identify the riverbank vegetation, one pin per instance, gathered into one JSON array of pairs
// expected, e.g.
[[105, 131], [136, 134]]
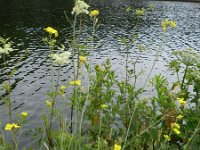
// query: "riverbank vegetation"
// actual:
[[108, 113]]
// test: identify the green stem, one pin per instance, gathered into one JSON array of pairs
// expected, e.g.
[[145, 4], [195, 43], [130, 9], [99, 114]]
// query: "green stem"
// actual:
[[145, 130], [49, 136], [93, 32], [8, 92], [15, 141], [126, 80], [73, 60], [134, 70], [195, 132], [54, 99], [126, 86], [154, 62], [186, 69], [85, 104], [129, 126], [99, 134]]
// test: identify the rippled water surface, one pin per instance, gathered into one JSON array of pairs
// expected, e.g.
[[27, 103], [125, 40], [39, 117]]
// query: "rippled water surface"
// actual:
[[23, 21]]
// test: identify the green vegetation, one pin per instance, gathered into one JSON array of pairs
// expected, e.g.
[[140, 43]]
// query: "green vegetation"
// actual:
[[107, 113]]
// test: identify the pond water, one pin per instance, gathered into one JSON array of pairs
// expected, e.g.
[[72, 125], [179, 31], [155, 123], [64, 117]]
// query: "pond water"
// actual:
[[23, 21]]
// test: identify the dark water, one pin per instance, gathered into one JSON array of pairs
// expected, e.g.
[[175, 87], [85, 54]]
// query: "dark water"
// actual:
[[23, 21]]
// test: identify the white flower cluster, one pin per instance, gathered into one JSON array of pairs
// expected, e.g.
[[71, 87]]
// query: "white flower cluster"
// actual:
[[80, 8], [6, 46], [61, 58]]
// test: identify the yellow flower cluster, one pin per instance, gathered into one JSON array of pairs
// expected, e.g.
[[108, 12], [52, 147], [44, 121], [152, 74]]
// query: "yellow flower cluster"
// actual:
[[11, 126], [167, 138], [165, 24], [140, 12], [176, 128], [82, 60], [75, 82], [51, 31], [94, 13], [24, 114], [117, 147], [181, 101]]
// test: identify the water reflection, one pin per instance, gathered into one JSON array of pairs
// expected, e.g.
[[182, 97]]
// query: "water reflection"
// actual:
[[24, 21]]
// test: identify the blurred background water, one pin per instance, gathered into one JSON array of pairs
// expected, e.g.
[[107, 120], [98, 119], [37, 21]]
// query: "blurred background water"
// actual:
[[23, 21]]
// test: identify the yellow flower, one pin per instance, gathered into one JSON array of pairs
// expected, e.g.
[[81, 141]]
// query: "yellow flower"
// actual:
[[103, 106], [94, 13], [181, 101], [117, 147], [179, 117], [48, 103], [164, 29], [163, 23], [173, 24], [51, 31], [75, 82], [167, 138], [177, 131], [10, 126], [62, 88], [167, 23], [175, 125], [82, 60], [15, 125], [24, 114]]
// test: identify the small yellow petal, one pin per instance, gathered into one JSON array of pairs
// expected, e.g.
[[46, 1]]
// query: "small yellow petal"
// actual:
[[51, 31], [179, 117], [78, 82], [175, 125], [94, 13], [173, 24], [15, 125], [24, 114], [167, 138], [82, 60], [181, 101], [117, 147], [75, 82], [177, 131], [8, 127]]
